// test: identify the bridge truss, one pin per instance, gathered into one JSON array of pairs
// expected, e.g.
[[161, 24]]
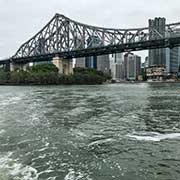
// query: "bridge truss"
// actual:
[[69, 39]]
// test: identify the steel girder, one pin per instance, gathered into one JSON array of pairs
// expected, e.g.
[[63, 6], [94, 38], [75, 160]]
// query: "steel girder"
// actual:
[[62, 34]]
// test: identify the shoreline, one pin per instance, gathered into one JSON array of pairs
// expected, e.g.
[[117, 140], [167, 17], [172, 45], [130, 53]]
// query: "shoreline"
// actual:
[[140, 82]]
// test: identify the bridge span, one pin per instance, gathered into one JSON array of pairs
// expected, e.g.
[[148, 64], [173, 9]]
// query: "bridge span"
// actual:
[[62, 39]]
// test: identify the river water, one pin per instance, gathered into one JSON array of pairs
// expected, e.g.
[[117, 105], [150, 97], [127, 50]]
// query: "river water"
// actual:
[[108, 132]]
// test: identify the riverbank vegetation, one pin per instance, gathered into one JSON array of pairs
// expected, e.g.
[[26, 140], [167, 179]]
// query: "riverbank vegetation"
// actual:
[[47, 74]]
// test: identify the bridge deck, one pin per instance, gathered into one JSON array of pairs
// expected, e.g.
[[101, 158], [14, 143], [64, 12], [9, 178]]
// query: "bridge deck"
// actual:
[[146, 45]]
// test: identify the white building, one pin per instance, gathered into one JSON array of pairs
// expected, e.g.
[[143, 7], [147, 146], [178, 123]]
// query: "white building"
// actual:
[[132, 66], [117, 71], [117, 66]]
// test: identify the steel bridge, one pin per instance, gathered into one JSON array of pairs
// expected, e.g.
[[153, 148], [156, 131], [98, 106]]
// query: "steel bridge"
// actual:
[[69, 39]]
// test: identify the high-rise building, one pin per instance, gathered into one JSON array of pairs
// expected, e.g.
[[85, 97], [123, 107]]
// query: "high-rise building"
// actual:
[[157, 57], [146, 63], [172, 60], [165, 57], [117, 66], [116, 58], [80, 62], [173, 55], [91, 62], [117, 71], [132, 66], [101, 63], [125, 64]]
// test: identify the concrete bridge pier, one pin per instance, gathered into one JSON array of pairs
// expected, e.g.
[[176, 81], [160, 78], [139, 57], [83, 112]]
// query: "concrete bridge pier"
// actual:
[[18, 66], [65, 66]]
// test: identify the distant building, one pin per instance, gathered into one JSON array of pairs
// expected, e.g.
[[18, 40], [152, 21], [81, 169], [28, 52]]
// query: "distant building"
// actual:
[[172, 60], [146, 63], [100, 63], [103, 63], [91, 62], [165, 57], [156, 73], [80, 62], [117, 66], [117, 58], [172, 55], [157, 57], [117, 71], [125, 65], [132, 66]]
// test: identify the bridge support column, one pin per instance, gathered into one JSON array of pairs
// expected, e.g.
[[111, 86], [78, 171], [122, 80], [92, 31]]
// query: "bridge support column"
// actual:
[[12, 67], [65, 66], [18, 66]]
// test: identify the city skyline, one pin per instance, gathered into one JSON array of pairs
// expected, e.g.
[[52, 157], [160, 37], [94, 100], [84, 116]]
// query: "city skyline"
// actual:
[[18, 23]]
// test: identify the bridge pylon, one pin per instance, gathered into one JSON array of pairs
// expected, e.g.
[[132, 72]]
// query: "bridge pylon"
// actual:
[[65, 66]]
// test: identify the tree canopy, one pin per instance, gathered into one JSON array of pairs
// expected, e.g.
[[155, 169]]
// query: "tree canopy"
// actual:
[[47, 74]]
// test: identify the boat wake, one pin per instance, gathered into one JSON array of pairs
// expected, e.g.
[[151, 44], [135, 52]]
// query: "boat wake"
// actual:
[[12, 169], [153, 136], [72, 175]]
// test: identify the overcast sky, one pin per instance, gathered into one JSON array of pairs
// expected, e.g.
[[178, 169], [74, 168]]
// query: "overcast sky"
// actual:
[[21, 19]]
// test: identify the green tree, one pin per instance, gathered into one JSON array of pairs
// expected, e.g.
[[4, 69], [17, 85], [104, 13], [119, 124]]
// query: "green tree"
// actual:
[[44, 68], [4, 76], [47, 74]]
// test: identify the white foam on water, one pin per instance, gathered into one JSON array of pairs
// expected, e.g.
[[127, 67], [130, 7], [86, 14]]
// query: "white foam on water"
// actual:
[[153, 136], [101, 141], [51, 178], [78, 133], [43, 149], [12, 169], [2, 131], [72, 175], [78, 110], [11, 100], [46, 171]]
